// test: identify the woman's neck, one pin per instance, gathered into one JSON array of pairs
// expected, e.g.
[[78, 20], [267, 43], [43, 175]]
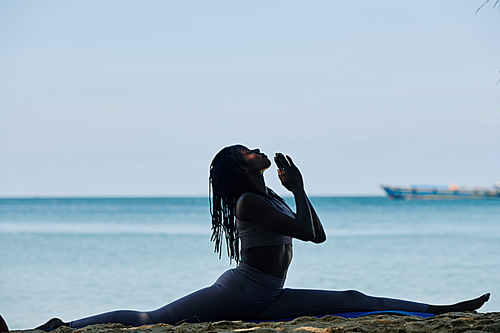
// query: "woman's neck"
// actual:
[[258, 182]]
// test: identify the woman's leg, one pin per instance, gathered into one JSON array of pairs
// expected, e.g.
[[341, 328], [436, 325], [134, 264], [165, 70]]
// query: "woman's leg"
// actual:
[[303, 302], [125, 317], [469, 305], [198, 306], [299, 302], [238, 294]]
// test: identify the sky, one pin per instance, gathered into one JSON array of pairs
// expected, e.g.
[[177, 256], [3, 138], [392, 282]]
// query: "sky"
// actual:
[[134, 98]]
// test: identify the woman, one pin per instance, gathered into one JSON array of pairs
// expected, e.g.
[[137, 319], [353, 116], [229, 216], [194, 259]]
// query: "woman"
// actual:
[[258, 228]]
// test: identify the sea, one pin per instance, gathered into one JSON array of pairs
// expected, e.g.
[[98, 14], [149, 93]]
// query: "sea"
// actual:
[[75, 257]]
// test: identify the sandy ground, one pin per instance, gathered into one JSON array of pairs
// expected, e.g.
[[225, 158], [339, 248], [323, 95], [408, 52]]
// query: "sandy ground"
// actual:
[[451, 322]]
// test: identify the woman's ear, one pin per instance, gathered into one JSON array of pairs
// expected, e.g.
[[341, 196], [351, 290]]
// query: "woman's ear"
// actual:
[[243, 170]]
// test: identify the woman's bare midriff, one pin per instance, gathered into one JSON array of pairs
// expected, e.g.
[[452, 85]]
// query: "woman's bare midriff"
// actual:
[[273, 260]]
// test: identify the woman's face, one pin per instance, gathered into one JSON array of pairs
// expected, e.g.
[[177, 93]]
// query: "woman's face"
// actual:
[[255, 161]]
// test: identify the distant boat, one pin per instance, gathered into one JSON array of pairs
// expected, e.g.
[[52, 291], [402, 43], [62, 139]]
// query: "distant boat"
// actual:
[[444, 192]]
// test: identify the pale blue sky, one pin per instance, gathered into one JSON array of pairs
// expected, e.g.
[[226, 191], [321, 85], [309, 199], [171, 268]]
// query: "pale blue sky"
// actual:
[[134, 98]]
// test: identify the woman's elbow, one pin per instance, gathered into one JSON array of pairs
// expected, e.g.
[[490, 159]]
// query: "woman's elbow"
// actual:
[[319, 239], [307, 235]]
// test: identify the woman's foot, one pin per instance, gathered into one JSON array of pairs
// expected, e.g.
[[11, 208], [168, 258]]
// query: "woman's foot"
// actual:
[[3, 326], [52, 324], [469, 305]]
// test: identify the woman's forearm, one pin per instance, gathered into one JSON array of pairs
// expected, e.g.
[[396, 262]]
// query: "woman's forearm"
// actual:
[[320, 234], [304, 214], [291, 179]]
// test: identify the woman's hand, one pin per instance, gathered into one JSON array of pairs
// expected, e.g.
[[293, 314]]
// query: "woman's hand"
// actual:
[[288, 173]]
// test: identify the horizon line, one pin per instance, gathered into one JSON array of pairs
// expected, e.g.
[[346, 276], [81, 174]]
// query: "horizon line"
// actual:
[[171, 196]]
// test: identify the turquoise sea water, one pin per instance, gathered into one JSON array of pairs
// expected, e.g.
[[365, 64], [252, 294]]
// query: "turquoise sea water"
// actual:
[[71, 258]]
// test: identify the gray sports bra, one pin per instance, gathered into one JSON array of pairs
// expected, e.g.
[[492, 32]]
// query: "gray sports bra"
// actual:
[[252, 234]]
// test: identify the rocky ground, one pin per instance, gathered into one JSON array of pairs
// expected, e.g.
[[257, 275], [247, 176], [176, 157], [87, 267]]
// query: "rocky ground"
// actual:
[[451, 322]]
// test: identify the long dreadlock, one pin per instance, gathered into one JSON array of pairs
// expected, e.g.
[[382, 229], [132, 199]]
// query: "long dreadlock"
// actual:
[[227, 183]]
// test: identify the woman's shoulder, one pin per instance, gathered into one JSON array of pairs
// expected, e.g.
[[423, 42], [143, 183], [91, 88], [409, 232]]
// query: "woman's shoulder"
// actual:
[[249, 203], [250, 198], [254, 206]]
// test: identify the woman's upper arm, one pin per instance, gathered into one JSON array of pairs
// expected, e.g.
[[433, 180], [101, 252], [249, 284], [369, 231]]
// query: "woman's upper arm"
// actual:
[[253, 207]]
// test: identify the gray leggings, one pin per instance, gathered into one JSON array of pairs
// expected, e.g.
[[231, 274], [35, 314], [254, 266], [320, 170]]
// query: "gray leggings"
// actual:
[[245, 293]]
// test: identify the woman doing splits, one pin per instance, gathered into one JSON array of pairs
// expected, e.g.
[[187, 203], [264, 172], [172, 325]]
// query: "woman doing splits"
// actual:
[[258, 227]]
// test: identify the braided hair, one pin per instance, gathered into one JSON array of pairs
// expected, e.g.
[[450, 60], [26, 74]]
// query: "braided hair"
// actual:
[[227, 182]]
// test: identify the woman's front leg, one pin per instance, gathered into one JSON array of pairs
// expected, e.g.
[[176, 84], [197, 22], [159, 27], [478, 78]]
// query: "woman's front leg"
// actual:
[[292, 303]]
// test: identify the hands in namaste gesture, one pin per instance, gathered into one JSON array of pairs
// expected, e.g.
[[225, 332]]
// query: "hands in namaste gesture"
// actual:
[[288, 173]]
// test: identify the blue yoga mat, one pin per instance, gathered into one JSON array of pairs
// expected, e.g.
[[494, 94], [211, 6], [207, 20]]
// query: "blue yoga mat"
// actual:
[[361, 314], [403, 313]]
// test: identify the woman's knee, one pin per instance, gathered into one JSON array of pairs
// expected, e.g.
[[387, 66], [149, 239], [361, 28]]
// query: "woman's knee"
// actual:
[[355, 293], [131, 318]]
